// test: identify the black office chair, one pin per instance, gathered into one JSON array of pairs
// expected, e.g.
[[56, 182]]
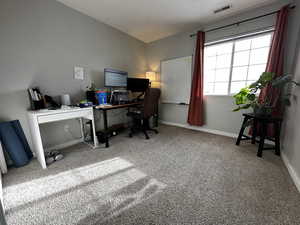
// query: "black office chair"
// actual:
[[140, 116]]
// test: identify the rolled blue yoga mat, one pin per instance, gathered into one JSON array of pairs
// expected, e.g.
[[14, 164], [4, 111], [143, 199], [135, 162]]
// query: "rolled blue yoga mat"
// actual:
[[11, 136], [19, 131]]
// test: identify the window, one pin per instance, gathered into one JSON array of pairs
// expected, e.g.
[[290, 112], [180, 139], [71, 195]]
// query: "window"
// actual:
[[232, 65]]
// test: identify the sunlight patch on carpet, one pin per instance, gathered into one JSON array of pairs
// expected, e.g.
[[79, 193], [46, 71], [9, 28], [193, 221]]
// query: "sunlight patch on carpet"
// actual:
[[101, 190]]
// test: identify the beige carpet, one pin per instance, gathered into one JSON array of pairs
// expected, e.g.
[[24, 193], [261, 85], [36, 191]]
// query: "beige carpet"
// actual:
[[177, 177]]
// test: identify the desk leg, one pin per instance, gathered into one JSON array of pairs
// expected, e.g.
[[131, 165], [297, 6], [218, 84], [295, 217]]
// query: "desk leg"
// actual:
[[37, 142], [105, 128]]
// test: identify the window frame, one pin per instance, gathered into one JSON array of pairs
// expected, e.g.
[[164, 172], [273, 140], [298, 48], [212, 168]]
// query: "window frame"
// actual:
[[234, 40]]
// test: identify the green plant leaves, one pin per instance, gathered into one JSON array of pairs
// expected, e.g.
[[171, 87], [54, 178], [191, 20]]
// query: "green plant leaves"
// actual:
[[282, 80], [241, 97], [251, 97], [246, 97], [286, 100], [266, 77]]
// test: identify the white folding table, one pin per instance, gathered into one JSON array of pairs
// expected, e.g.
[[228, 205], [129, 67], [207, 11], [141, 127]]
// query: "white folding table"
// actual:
[[46, 116]]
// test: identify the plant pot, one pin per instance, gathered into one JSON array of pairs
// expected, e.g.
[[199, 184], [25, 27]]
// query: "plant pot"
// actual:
[[263, 110]]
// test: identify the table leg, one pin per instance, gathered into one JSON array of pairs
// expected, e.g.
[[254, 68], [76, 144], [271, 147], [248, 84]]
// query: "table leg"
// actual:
[[263, 133], [242, 131], [3, 166], [37, 141], [95, 139], [254, 131], [2, 214], [105, 128], [277, 137], [81, 129]]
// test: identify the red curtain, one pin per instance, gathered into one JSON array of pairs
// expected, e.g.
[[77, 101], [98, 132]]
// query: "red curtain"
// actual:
[[275, 63], [195, 116]]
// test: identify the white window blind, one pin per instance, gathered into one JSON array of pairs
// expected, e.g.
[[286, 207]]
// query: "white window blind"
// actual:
[[232, 65]]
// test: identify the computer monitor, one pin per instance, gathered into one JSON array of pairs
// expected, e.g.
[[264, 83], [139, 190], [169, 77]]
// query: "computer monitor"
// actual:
[[115, 78], [137, 84]]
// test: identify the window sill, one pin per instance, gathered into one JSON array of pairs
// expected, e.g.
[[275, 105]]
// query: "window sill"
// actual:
[[212, 95]]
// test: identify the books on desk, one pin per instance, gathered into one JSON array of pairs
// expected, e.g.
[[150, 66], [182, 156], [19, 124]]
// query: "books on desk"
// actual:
[[37, 100]]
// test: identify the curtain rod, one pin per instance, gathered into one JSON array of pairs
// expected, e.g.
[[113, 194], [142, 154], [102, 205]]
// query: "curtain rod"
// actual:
[[242, 21]]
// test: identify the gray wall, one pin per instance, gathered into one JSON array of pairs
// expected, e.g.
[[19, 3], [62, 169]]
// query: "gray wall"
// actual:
[[41, 41], [218, 109], [291, 125], [218, 114]]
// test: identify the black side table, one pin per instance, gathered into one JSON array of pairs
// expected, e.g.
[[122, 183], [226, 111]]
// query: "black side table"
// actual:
[[262, 123]]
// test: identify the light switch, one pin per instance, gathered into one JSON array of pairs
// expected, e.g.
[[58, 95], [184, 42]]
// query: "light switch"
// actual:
[[78, 73]]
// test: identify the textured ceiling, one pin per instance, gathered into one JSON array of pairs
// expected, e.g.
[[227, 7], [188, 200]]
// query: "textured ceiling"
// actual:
[[150, 20]]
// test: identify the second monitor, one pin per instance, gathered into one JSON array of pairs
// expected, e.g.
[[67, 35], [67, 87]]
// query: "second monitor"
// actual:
[[137, 84]]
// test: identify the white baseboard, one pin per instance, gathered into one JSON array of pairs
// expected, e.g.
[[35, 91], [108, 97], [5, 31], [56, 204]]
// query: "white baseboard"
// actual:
[[295, 177], [212, 131], [64, 145]]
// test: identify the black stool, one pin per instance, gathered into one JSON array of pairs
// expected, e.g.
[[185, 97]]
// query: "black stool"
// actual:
[[262, 123]]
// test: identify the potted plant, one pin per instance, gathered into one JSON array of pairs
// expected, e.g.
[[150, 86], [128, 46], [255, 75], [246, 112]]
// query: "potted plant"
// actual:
[[247, 97], [281, 83]]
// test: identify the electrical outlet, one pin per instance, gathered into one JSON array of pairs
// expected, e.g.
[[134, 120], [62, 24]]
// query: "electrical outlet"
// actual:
[[66, 128]]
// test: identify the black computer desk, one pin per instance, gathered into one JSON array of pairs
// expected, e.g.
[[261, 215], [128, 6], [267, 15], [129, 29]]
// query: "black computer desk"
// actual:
[[105, 108]]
